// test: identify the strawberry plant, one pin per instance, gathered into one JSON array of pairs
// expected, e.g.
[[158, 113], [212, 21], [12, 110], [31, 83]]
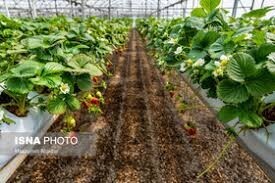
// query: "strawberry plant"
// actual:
[[232, 58], [58, 59]]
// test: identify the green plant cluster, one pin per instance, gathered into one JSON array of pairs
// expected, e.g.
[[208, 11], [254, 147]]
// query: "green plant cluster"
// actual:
[[232, 58], [50, 62]]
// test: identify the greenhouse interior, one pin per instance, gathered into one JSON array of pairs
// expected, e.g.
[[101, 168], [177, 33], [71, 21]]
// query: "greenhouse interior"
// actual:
[[178, 91]]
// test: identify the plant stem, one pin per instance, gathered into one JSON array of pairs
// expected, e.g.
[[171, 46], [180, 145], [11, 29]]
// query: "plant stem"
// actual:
[[22, 105], [226, 147]]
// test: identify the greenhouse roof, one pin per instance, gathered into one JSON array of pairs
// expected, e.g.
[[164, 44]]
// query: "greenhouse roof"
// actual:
[[121, 8]]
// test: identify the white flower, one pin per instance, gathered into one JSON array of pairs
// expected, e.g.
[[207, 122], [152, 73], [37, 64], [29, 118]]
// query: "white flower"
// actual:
[[224, 58], [200, 62], [1, 115], [178, 51], [2, 87], [215, 73], [218, 72], [64, 88], [172, 41], [271, 56], [182, 67], [217, 64], [248, 36]]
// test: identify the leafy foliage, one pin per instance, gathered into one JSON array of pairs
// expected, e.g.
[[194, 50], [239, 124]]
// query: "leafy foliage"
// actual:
[[232, 58]]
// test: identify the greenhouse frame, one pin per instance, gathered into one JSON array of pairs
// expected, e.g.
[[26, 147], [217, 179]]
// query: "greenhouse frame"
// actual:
[[157, 91], [116, 8]]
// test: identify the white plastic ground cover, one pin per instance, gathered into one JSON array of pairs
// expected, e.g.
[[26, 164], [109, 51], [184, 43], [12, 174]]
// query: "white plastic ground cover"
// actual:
[[36, 123], [257, 141]]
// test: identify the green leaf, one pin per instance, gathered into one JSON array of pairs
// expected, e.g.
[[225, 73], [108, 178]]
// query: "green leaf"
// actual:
[[228, 113], [4, 76], [84, 82], [240, 67], [198, 12], [251, 120], [19, 85], [261, 84], [93, 70], [209, 5], [34, 42], [57, 106], [258, 13], [203, 40], [197, 54], [232, 92], [259, 37], [73, 103], [50, 81], [82, 64], [271, 63], [26, 69], [242, 31], [79, 61], [263, 51], [194, 22], [8, 120], [220, 47], [52, 68]]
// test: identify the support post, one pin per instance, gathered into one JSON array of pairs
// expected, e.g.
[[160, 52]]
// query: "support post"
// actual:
[[109, 9], [32, 8], [262, 5], [146, 6], [72, 8], [167, 10], [252, 5], [235, 7], [55, 6], [7, 9], [158, 9], [83, 9], [184, 7]]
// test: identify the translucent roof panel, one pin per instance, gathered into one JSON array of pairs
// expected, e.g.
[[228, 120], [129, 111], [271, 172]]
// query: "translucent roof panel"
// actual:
[[121, 8]]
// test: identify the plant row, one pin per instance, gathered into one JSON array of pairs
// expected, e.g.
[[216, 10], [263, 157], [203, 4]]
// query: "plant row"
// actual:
[[232, 58], [56, 63]]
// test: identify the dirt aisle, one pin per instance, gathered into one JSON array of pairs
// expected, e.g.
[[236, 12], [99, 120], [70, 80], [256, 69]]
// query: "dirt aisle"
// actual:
[[139, 139]]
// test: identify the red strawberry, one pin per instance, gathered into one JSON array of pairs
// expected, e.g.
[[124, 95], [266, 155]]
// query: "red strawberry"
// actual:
[[95, 101], [109, 65], [95, 79], [190, 129], [172, 94]]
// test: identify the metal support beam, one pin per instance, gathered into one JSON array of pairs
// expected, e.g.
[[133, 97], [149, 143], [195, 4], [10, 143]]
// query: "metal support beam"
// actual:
[[55, 6], [7, 9], [235, 7], [32, 8], [262, 5], [161, 9], [184, 8], [252, 5], [72, 8], [158, 9], [146, 6], [88, 6], [167, 10], [109, 9], [83, 9]]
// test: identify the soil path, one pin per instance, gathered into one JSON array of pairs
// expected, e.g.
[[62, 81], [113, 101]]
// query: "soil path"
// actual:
[[139, 139]]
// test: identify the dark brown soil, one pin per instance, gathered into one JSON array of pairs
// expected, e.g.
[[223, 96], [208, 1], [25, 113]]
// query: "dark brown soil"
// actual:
[[141, 139]]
